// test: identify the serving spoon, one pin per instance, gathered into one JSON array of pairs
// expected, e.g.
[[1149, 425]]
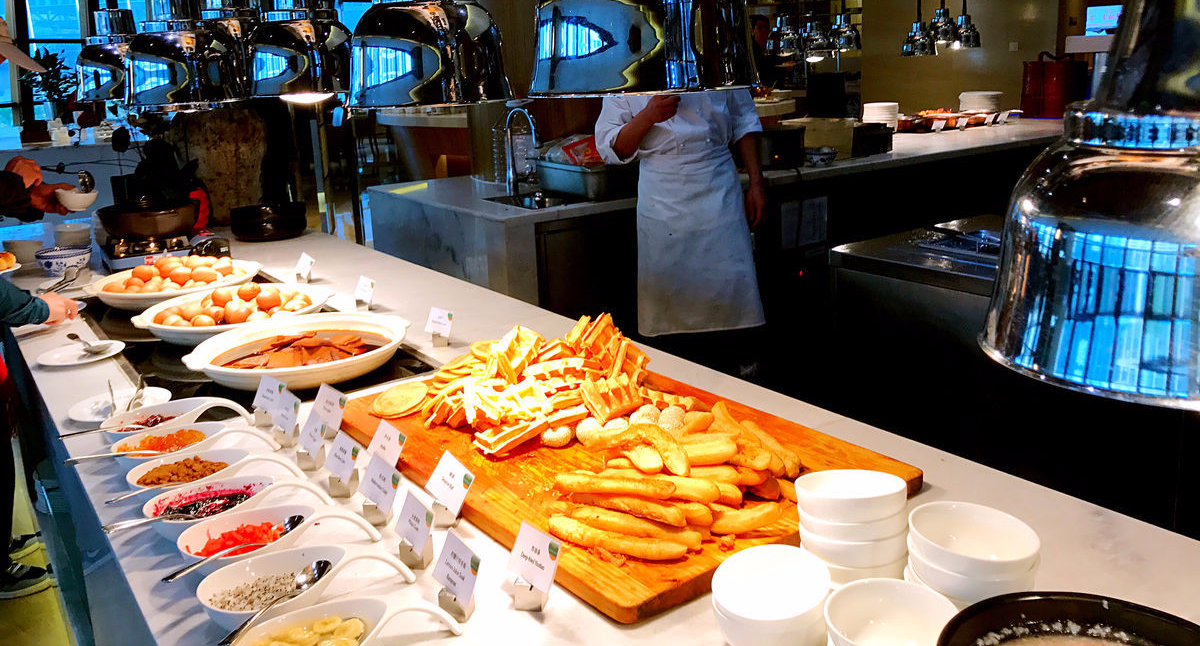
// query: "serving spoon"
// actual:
[[68, 277], [118, 454], [290, 523], [138, 522], [305, 579]]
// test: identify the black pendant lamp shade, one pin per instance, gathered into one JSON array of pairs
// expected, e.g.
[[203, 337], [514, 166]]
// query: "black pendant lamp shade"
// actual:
[[967, 34]]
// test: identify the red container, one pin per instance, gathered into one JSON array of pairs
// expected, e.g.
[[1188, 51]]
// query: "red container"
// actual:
[[1050, 85]]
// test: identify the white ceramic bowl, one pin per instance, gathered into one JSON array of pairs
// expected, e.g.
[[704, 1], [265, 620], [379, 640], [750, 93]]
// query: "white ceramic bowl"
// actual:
[[194, 335], [770, 594], [375, 614], [912, 577], [214, 432], [193, 538], [855, 554], [840, 575], [258, 488], [238, 460], [851, 495], [56, 260], [284, 562], [973, 540], [184, 411], [209, 356], [139, 302], [968, 588], [73, 233], [74, 200], [868, 531], [886, 612], [23, 250]]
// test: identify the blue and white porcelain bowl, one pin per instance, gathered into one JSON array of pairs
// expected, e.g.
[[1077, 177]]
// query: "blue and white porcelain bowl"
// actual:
[[56, 260]]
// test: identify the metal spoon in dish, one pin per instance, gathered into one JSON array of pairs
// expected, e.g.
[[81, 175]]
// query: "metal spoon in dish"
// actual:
[[292, 522], [68, 277], [90, 348], [118, 454], [305, 579]]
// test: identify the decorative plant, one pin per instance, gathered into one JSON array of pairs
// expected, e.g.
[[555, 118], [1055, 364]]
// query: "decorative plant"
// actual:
[[58, 82]]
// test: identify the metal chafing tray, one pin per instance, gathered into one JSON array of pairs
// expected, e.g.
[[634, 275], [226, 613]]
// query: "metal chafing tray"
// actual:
[[593, 182]]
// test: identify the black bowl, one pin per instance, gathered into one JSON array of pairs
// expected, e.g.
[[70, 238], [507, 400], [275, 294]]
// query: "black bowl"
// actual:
[[263, 222], [1025, 608]]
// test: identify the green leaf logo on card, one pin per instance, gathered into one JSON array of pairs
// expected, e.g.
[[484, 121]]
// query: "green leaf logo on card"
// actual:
[[428, 518], [395, 480], [342, 401], [467, 480], [296, 406], [402, 438], [553, 551], [354, 453], [281, 389], [474, 564]]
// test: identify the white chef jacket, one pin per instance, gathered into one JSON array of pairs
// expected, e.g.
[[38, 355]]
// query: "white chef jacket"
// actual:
[[695, 263]]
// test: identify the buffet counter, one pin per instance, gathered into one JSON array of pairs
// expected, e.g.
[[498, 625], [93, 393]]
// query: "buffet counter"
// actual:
[[1084, 547]]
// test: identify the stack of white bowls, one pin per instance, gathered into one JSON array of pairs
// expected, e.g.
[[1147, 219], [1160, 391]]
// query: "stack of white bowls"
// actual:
[[771, 594], [980, 101], [970, 552], [885, 112], [854, 521]]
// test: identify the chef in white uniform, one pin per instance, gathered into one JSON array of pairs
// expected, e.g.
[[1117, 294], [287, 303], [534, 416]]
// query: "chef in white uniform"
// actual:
[[695, 265]]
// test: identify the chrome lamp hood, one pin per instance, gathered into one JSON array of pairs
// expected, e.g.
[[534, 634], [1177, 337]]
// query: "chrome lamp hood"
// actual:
[[599, 47], [426, 52], [100, 65], [301, 53], [1098, 289]]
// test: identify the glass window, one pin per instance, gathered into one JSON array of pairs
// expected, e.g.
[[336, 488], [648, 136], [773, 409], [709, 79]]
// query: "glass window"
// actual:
[[350, 13], [53, 19], [138, 7]]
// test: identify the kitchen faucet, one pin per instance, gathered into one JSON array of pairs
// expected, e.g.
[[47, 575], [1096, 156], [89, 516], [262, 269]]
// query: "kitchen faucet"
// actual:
[[512, 179]]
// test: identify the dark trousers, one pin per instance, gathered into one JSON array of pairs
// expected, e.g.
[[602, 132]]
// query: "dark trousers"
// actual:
[[8, 481]]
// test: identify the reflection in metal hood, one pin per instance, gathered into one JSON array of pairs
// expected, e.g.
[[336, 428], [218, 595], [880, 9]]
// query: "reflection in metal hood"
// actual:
[[426, 53], [188, 69], [597, 47], [100, 66], [300, 57]]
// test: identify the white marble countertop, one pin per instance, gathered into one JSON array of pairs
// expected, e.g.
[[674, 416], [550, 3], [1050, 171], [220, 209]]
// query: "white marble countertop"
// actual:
[[467, 195], [1084, 547]]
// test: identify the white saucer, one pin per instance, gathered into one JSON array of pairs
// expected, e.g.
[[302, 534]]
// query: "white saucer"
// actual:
[[11, 269], [99, 408], [73, 355]]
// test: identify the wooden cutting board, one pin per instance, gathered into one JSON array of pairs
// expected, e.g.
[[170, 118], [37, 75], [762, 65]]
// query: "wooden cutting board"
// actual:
[[519, 488]]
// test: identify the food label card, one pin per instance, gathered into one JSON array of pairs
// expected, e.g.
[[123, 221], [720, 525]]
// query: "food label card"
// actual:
[[450, 482], [938, 125], [286, 411], [267, 395], [388, 443], [1004, 116], [312, 436], [304, 266], [365, 291], [535, 557], [457, 568], [330, 405], [440, 321], [343, 455], [381, 483], [415, 522]]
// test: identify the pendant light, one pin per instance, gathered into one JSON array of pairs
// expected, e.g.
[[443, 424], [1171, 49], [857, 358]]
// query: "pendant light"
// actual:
[[845, 36], [300, 53], [942, 28], [816, 41], [967, 35], [100, 65], [1097, 290], [783, 41], [918, 42], [599, 47], [427, 53]]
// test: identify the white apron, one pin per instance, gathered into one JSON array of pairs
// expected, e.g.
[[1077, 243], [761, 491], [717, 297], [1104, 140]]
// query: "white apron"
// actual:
[[695, 266]]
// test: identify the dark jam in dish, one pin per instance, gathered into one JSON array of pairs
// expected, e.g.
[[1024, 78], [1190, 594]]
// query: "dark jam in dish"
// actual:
[[147, 422], [210, 505]]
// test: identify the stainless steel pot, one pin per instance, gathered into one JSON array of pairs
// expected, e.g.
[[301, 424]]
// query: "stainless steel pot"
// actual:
[[149, 219]]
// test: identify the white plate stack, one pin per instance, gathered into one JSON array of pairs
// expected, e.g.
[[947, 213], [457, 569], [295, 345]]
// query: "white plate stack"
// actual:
[[980, 101], [887, 113], [854, 521], [969, 552]]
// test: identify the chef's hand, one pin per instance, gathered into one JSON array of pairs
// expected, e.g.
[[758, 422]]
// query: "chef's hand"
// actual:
[[29, 170], [756, 204], [42, 198], [661, 107], [61, 308]]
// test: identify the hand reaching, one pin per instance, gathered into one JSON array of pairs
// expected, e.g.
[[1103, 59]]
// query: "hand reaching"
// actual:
[[61, 308], [42, 198]]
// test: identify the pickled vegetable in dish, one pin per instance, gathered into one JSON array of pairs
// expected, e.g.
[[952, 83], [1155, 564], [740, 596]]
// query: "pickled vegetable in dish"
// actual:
[[181, 472], [327, 631], [307, 349], [184, 437], [207, 504], [242, 534], [146, 422]]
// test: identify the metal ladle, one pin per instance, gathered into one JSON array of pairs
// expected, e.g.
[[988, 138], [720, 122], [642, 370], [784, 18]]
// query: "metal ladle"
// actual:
[[138, 522], [292, 522], [90, 348], [305, 579], [68, 277]]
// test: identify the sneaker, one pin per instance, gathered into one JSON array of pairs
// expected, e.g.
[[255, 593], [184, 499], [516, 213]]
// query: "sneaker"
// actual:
[[24, 545], [22, 580]]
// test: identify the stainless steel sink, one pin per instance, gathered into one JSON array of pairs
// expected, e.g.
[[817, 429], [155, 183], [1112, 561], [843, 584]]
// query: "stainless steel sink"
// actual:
[[537, 200]]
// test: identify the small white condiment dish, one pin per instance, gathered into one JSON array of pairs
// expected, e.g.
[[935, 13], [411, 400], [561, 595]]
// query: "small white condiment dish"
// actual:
[[771, 594], [973, 540], [258, 488], [851, 495], [284, 562], [912, 577], [840, 575], [886, 612], [374, 613], [193, 538], [866, 531], [856, 554], [237, 459], [213, 431], [184, 411], [968, 588]]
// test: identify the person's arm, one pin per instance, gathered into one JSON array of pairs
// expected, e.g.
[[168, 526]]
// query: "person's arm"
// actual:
[[746, 127], [619, 132]]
